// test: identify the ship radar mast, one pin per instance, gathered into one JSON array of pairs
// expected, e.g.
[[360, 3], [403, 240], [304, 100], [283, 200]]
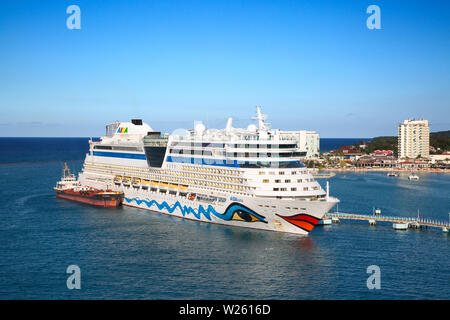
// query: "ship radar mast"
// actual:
[[261, 117]]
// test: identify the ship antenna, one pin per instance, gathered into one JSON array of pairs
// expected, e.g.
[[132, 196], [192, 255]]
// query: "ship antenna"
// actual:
[[261, 117]]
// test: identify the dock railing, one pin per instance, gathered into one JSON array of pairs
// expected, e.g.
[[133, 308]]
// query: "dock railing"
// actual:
[[395, 219]]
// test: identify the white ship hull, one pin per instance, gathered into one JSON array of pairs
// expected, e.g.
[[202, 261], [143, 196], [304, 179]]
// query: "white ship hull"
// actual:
[[251, 178], [289, 216]]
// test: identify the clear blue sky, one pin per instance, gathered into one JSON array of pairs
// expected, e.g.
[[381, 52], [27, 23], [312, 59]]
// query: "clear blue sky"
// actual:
[[311, 65]]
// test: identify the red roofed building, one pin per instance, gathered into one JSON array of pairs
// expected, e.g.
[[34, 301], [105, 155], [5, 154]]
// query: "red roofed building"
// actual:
[[378, 153], [345, 153]]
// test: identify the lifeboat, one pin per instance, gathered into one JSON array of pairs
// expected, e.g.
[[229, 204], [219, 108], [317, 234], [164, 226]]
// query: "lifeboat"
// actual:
[[136, 183], [118, 180], [126, 181], [163, 184], [144, 184]]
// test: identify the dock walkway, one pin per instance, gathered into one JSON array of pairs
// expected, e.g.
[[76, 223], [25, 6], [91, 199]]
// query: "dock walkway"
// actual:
[[412, 222]]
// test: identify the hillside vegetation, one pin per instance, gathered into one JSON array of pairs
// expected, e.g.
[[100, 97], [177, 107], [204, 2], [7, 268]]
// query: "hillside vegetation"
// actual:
[[440, 139]]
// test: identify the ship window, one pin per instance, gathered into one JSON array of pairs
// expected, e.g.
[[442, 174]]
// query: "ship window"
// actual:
[[287, 181], [277, 181], [287, 146], [276, 189], [266, 181], [103, 147], [293, 189], [283, 189]]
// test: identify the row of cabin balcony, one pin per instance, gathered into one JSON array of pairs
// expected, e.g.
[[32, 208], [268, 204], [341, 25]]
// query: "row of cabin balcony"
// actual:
[[232, 138], [289, 180], [235, 145], [224, 172], [208, 153], [295, 189], [294, 172]]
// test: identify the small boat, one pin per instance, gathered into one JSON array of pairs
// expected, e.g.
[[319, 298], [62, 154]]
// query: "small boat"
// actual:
[[392, 174], [324, 222], [413, 176], [400, 226], [71, 189], [335, 220]]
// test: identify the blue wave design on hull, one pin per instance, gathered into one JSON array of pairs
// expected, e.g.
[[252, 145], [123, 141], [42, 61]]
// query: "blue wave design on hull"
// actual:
[[187, 210]]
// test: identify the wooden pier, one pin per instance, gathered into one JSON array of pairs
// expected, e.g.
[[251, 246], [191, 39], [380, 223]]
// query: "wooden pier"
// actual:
[[414, 223]]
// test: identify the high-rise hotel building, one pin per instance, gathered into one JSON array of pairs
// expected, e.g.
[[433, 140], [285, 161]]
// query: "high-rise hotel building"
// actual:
[[413, 139], [308, 142]]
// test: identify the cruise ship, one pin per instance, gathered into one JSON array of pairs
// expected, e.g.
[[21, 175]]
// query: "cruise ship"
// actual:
[[248, 177]]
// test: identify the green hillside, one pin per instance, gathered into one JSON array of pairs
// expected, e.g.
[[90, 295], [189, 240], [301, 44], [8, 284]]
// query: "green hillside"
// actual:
[[440, 139]]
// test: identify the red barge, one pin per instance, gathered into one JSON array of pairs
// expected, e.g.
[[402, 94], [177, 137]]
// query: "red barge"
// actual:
[[71, 189]]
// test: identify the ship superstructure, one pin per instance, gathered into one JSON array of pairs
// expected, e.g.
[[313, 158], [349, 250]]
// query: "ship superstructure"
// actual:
[[249, 177]]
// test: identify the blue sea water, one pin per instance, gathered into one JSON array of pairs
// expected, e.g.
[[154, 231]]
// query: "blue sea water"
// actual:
[[328, 144], [128, 253]]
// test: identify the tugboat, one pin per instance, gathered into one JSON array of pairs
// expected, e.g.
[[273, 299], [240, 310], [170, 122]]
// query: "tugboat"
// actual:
[[70, 188]]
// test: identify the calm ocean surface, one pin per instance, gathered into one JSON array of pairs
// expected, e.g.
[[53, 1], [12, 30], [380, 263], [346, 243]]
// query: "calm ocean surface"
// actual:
[[129, 253]]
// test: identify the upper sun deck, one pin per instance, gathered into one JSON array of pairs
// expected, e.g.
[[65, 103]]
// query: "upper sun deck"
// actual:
[[126, 133], [251, 137]]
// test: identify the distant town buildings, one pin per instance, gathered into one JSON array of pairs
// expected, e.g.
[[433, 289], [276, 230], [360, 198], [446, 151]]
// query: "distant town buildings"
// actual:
[[414, 151], [308, 142], [414, 139], [345, 153]]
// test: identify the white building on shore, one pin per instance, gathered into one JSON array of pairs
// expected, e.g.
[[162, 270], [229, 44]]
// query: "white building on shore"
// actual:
[[414, 139], [308, 141]]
